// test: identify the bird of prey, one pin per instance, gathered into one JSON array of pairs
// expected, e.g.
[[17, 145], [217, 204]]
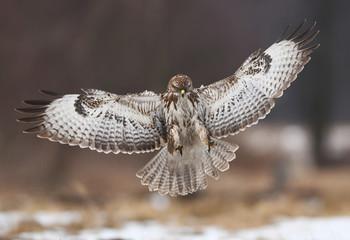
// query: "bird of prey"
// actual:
[[184, 123]]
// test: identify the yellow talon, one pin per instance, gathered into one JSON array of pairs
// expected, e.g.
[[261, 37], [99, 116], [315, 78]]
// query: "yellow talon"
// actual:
[[179, 148]]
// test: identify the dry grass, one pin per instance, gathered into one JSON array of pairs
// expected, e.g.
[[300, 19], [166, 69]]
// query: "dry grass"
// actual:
[[239, 200]]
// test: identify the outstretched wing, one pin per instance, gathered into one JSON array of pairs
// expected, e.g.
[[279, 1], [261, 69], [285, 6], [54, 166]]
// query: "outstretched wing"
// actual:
[[240, 100], [100, 120]]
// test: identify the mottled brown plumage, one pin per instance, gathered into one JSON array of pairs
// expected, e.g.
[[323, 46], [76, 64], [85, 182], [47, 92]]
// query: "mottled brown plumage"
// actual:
[[184, 122]]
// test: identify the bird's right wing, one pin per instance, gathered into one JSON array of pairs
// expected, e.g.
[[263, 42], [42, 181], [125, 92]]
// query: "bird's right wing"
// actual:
[[100, 120]]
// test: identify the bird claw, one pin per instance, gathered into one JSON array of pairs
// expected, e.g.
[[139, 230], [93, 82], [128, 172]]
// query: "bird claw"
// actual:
[[179, 148], [210, 143]]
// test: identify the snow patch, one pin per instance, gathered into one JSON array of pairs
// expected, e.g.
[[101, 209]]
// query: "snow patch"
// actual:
[[136, 231], [11, 219], [301, 228], [46, 219]]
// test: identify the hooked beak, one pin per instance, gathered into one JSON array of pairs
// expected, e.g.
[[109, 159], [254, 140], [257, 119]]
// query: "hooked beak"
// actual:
[[183, 92]]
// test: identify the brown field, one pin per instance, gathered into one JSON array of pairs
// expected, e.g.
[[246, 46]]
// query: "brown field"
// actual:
[[239, 199]]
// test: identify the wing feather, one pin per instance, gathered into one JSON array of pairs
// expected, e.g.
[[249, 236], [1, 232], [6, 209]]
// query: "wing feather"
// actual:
[[100, 120], [240, 100]]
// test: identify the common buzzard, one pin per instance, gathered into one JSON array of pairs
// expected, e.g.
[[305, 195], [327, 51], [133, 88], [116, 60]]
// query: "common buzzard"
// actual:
[[185, 123]]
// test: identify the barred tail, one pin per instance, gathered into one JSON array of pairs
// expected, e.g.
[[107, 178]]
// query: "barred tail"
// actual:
[[181, 175]]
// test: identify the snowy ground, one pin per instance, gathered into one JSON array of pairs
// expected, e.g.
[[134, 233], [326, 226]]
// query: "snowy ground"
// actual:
[[301, 228]]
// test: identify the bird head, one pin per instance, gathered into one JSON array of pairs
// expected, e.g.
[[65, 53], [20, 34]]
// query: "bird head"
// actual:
[[180, 84]]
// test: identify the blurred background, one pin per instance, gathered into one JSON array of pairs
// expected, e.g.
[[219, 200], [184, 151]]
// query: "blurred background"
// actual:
[[296, 161]]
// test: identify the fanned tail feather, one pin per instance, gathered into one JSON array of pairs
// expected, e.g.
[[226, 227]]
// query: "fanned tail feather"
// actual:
[[181, 175]]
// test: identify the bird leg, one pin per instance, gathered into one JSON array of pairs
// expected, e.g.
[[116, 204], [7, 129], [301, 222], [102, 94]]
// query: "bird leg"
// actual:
[[210, 143], [174, 143], [204, 135]]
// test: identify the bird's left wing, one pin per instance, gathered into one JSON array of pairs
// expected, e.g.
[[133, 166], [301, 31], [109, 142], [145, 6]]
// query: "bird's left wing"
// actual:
[[100, 120], [240, 100]]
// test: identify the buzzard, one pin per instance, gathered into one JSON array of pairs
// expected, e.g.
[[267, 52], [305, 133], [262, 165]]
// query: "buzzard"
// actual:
[[185, 123]]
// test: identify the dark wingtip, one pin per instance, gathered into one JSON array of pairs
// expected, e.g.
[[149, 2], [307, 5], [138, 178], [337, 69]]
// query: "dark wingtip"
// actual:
[[303, 34], [283, 34], [312, 48], [51, 93], [31, 110], [35, 129], [304, 38], [37, 102], [308, 39], [291, 35], [39, 118]]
